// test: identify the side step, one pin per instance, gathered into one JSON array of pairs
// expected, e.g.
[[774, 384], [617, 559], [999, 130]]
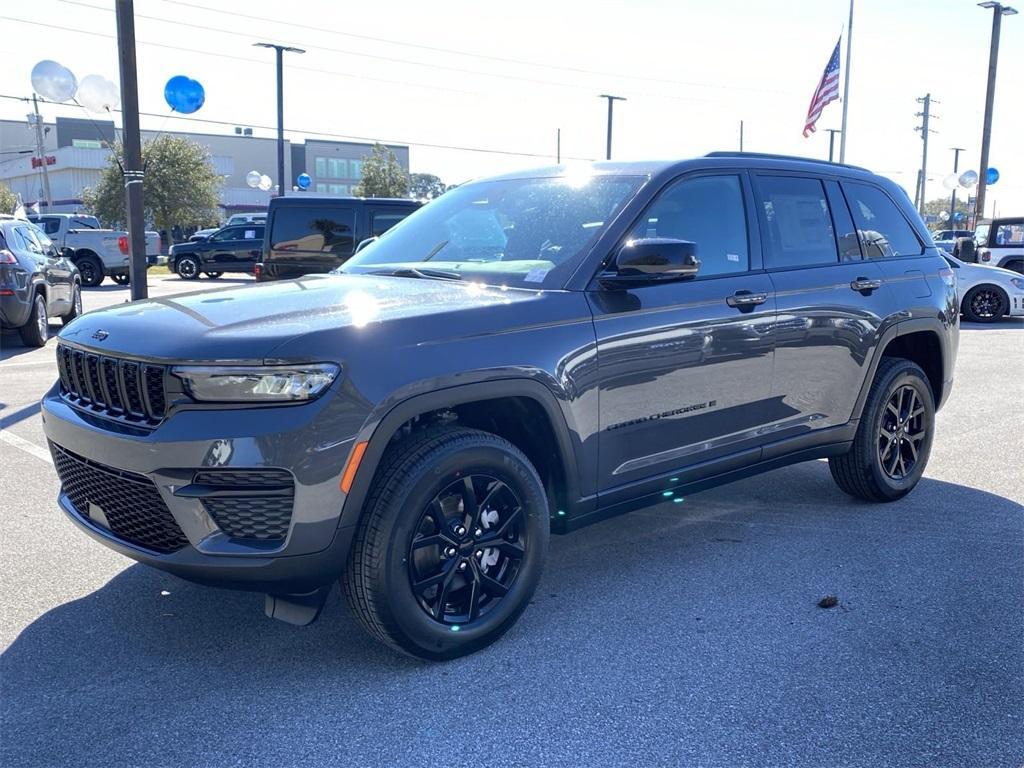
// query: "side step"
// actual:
[[299, 610]]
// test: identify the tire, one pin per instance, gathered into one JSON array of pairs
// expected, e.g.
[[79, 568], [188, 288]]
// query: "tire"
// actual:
[[76, 305], [409, 532], [869, 470], [121, 279], [984, 304], [91, 270], [965, 249], [36, 331], [213, 275], [187, 268]]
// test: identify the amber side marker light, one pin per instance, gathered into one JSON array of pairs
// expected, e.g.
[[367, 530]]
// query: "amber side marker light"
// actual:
[[352, 467]]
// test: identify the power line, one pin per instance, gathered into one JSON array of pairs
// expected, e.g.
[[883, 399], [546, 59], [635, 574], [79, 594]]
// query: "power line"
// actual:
[[323, 134], [455, 52], [390, 59]]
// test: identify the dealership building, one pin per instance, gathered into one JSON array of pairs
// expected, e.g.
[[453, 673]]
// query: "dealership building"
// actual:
[[76, 153]]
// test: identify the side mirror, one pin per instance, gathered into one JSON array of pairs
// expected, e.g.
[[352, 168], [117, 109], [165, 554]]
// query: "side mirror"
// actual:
[[653, 259]]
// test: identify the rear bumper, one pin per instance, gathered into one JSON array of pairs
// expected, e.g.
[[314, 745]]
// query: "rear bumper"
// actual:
[[14, 310]]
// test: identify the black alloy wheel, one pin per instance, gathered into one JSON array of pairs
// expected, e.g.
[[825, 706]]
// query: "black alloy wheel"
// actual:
[[984, 304], [902, 430], [187, 268], [467, 549], [91, 271]]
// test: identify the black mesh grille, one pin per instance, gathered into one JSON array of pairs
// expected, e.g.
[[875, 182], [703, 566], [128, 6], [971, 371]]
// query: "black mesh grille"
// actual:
[[262, 508], [130, 503], [113, 387], [251, 517]]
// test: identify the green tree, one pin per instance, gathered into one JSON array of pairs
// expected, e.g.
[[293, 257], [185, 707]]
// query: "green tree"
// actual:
[[7, 199], [938, 205], [180, 185], [425, 186], [382, 175]]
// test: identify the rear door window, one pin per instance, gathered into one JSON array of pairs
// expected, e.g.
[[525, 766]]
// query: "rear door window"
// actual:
[[797, 222], [382, 221], [316, 229], [884, 232], [50, 224]]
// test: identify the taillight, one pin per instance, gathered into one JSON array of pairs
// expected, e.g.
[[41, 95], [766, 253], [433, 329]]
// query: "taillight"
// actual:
[[257, 271], [986, 255], [947, 276], [6, 257], [122, 244]]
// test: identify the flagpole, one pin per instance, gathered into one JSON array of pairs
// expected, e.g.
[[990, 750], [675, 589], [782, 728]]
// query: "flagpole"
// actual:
[[846, 87]]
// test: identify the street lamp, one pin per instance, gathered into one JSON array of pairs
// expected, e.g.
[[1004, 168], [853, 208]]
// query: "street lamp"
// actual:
[[281, 186], [998, 11], [611, 101]]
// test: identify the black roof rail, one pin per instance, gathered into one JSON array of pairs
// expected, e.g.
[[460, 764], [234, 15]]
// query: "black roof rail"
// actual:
[[769, 156]]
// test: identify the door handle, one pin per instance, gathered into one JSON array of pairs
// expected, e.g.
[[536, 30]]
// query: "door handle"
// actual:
[[865, 285], [746, 299]]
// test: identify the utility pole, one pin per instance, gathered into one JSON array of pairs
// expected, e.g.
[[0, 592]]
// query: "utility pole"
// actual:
[[558, 147], [925, 116], [280, 49], [741, 135], [998, 11], [37, 122], [956, 167], [832, 142], [611, 101], [133, 172]]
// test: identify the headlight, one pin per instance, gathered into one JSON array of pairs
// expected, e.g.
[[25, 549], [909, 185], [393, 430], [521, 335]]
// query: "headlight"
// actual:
[[1018, 282], [271, 383]]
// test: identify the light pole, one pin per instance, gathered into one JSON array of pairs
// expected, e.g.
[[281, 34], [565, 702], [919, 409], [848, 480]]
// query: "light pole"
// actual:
[[998, 11], [611, 101], [832, 142], [280, 49], [956, 167]]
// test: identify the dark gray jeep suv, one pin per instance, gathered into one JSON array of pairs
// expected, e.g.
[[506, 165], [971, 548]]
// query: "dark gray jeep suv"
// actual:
[[525, 354]]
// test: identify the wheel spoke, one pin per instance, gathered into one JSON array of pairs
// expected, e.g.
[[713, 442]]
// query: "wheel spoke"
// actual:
[[892, 408], [435, 540], [470, 506], [446, 572], [888, 448], [887, 435], [913, 449], [437, 512], [895, 459], [902, 463], [475, 593], [493, 587], [495, 489], [507, 522], [442, 590]]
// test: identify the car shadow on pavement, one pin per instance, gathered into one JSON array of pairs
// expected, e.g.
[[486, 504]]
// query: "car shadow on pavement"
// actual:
[[677, 616]]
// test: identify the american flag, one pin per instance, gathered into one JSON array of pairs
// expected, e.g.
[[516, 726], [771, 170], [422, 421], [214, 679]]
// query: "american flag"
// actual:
[[827, 91]]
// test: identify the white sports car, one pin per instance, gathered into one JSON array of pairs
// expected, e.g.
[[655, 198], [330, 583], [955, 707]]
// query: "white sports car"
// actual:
[[987, 293]]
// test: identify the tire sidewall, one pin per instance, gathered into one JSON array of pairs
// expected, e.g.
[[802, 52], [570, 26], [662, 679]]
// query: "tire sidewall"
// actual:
[[908, 374], [428, 478], [91, 271], [968, 311]]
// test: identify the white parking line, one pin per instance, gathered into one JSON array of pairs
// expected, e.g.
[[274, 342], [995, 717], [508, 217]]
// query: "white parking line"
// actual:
[[24, 445]]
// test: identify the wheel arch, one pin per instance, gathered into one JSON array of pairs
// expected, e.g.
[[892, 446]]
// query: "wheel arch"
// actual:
[[919, 341], [523, 411]]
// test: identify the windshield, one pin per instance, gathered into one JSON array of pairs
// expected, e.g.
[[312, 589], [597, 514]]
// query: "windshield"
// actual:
[[520, 232]]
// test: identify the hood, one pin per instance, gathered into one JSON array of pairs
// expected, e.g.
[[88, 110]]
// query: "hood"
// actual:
[[244, 324]]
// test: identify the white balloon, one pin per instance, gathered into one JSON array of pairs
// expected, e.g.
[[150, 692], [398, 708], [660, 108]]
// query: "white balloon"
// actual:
[[968, 179], [98, 95], [951, 181], [944, 215], [52, 81], [252, 178], [266, 183]]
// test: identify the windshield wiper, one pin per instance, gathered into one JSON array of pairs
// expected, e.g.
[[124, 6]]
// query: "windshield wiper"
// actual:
[[415, 272]]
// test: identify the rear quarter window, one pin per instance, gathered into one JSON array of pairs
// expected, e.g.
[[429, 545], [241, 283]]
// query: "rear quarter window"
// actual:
[[317, 229]]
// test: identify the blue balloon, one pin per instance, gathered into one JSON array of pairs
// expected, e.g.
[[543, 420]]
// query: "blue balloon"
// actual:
[[958, 216], [991, 175], [183, 94], [303, 181]]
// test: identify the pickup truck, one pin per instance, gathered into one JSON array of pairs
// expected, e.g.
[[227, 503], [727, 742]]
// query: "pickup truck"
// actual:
[[97, 252]]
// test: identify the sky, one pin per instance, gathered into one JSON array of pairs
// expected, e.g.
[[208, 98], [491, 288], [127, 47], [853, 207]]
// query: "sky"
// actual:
[[506, 77]]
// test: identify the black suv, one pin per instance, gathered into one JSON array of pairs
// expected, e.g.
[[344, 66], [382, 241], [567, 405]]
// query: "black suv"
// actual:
[[311, 235], [230, 249], [526, 354]]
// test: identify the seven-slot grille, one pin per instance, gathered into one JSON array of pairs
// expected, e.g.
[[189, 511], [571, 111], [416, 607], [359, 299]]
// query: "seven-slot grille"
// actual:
[[127, 390], [128, 504]]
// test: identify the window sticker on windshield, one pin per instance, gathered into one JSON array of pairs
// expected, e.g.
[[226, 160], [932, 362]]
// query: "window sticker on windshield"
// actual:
[[250, 234], [732, 256], [536, 275]]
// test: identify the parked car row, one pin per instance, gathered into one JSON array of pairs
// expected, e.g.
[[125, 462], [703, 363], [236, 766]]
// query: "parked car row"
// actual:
[[995, 242]]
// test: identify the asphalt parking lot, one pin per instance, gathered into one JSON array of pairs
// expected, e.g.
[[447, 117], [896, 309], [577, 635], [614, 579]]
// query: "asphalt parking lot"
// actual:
[[685, 634]]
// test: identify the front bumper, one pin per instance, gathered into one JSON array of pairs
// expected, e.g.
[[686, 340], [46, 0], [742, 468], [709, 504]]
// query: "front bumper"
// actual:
[[312, 552], [1016, 308]]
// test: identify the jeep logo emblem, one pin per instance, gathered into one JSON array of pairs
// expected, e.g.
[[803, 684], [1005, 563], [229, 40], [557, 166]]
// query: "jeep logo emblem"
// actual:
[[100, 335]]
